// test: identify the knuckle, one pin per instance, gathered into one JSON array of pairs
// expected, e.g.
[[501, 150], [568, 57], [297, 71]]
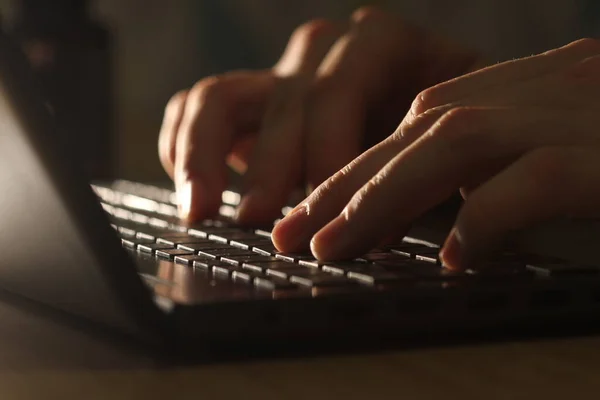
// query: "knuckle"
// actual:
[[401, 133], [413, 126], [208, 90], [424, 101], [368, 15], [586, 45], [176, 102], [456, 125], [312, 31]]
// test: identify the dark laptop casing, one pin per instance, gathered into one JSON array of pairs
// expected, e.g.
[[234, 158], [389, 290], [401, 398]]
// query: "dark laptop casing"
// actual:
[[56, 242]]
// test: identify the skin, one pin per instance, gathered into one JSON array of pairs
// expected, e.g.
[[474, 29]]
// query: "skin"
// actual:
[[335, 91], [518, 139]]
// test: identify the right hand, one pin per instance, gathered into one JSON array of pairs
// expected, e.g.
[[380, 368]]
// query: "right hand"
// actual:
[[299, 122]]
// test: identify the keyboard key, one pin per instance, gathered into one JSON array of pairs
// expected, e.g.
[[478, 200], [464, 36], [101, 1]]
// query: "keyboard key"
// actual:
[[133, 243], [200, 246], [287, 273], [245, 276], [197, 233], [410, 250], [333, 269], [158, 223], [148, 234], [377, 277], [255, 259], [265, 249], [228, 251], [208, 253], [263, 233], [254, 267], [151, 248], [249, 243], [234, 252], [273, 283], [382, 256], [495, 272], [311, 263], [289, 257], [205, 232], [343, 267], [320, 279], [205, 264], [422, 270], [172, 253], [175, 238], [274, 265], [223, 269], [237, 235], [126, 232], [189, 259], [278, 264], [428, 254]]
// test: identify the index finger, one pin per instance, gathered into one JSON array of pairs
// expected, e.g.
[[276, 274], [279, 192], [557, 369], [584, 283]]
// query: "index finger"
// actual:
[[435, 166], [206, 132]]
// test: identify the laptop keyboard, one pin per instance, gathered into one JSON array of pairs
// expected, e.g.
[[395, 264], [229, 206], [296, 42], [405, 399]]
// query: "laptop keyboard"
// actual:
[[145, 218]]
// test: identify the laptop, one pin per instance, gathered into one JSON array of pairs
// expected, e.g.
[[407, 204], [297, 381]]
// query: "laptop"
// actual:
[[115, 256]]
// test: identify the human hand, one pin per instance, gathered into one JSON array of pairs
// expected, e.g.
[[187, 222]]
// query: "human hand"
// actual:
[[520, 139], [296, 124]]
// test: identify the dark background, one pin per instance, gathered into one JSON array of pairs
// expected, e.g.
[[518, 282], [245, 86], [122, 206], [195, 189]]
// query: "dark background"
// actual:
[[158, 47]]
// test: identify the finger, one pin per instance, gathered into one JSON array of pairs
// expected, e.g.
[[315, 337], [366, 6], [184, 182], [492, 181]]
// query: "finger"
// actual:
[[499, 75], [545, 183], [240, 153], [216, 109], [276, 164], [482, 174], [168, 131], [435, 166], [307, 47], [358, 69], [295, 231]]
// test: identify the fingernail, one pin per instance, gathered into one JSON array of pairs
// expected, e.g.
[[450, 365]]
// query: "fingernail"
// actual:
[[452, 254], [330, 242], [289, 234]]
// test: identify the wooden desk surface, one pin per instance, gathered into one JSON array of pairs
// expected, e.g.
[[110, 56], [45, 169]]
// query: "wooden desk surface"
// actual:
[[40, 359]]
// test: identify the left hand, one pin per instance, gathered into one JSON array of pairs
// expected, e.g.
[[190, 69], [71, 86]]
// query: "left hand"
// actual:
[[520, 139]]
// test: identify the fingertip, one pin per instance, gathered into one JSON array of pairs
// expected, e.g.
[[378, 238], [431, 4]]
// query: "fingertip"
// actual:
[[288, 234], [184, 198], [193, 200], [451, 253], [331, 243], [318, 250]]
